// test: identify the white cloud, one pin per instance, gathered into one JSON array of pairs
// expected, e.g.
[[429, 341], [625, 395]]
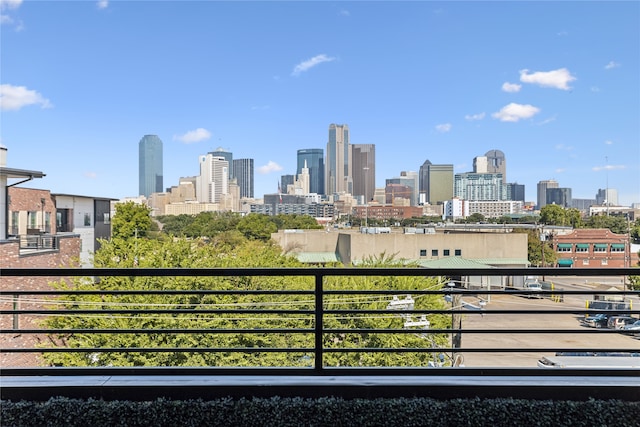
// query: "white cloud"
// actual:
[[472, 117], [10, 4], [515, 112], [558, 79], [562, 33], [511, 87], [564, 147], [310, 63], [594, 89], [6, 20], [547, 121], [269, 167], [103, 4], [192, 136], [344, 12], [90, 175], [560, 170], [444, 127], [608, 142], [608, 167], [611, 65], [16, 97]]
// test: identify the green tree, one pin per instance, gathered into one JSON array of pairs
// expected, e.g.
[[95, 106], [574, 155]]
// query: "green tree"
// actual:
[[131, 220], [553, 215], [617, 224], [535, 248], [635, 231], [256, 227]]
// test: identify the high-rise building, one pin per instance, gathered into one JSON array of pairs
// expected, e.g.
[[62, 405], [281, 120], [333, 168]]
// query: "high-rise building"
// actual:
[[515, 192], [493, 161], [150, 165], [228, 156], [479, 186], [363, 160], [315, 162], [559, 196], [243, 173], [213, 182], [435, 183], [608, 197], [285, 182], [338, 163], [542, 191], [408, 179]]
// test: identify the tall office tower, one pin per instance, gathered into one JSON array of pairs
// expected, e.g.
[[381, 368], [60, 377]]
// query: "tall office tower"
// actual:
[[479, 186], [243, 173], [228, 156], [213, 181], [338, 164], [315, 162], [150, 165], [285, 182], [435, 183], [363, 160], [542, 191], [408, 180], [515, 191], [559, 196], [492, 162], [607, 197], [301, 184]]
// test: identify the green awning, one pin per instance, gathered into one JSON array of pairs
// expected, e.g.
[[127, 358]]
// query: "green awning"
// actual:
[[564, 245], [600, 245], [617, 246], [565, 262], [582, 245]]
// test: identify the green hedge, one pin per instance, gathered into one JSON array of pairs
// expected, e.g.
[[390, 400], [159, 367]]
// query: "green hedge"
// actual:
[[332, 412]]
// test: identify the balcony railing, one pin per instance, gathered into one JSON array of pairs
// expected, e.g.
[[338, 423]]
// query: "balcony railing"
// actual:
[[318, 328]]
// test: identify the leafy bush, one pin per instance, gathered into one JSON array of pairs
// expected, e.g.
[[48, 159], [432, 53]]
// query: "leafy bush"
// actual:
[[328, 411]]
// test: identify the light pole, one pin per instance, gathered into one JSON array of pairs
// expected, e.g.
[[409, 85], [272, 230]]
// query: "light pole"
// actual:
[[366, 198]]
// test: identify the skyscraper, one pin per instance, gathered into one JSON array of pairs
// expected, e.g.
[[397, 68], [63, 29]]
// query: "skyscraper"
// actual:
[[493, 161], [515, 191], [559, 196], [213, 181], [542, 191], [315, 162], [243, 173], [228, 156], [479, 186], [150, 165], [435, 182], [363, 160], [338, 165]]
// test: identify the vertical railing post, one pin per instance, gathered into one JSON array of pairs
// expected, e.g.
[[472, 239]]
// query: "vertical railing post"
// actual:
[[16, 326], [319, 311]]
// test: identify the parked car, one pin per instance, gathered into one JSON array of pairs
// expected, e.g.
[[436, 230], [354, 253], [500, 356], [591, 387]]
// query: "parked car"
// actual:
[[633, 327], [597, 321], [619, 322]]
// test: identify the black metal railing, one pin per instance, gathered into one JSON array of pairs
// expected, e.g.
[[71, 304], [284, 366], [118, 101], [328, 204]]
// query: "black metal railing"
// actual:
[[38, 242], [318, 319]]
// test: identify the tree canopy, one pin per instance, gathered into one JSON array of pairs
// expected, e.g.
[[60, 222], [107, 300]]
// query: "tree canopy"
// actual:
[[130, 220]]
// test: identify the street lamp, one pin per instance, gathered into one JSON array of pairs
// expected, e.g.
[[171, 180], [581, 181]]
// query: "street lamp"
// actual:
[[366, 198]]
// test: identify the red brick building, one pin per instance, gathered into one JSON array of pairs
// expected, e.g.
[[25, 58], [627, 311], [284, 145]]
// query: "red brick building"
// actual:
[[592, 248]]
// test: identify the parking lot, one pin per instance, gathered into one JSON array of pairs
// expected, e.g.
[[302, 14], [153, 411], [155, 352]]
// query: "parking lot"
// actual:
[[473, 320]]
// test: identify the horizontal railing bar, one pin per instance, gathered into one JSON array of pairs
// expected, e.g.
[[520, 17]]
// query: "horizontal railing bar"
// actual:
[[157, 292], [305, 271], [325, 349], [155, 311], [326, 331]]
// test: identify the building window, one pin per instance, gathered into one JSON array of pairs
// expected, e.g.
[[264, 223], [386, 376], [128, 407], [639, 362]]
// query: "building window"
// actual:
[[423, 252], [585, 262], [87, 220], [617, 247], [458, 252], [599, 248], [604, 261], [14, 225], [434, 252], [564, 248], [445, 252], [582, 248], [32, 219], [107, 218]]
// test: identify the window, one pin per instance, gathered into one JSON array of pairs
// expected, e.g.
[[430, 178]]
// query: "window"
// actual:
[[434, 252], [617, 247], [582, 247], [87, 220], [445, 252], [564, 247], [458, 252], [599, 247], [423, 252], [107, 218], [604, 261], [14, 224], [32, 219], [585, 262]]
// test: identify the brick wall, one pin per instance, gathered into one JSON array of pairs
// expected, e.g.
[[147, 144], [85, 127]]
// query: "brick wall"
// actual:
[[66, 256]]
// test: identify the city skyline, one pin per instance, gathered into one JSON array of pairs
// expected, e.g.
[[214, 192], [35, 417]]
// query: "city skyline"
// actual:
[[561, 100]]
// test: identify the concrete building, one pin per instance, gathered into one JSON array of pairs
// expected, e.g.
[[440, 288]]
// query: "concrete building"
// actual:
[[406, 179], [497, 249], [542, 191], [338, 172], [435, 183], [363, 158], [387, 212], [314, 159], [495, 208], [608, 196], [150, 165], [493, 161], [213, 181], [455, 208], [228, 156], [585, 248], [479, 186]]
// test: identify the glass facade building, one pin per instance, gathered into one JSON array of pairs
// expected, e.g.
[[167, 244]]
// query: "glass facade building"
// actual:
[[150, 165], [315, 162], [243, 173]]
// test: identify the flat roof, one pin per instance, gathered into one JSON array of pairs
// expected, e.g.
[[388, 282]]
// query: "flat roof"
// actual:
[[20, 173]]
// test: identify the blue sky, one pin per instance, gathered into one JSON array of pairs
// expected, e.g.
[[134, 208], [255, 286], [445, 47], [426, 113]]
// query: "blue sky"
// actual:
[[554, 85]]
